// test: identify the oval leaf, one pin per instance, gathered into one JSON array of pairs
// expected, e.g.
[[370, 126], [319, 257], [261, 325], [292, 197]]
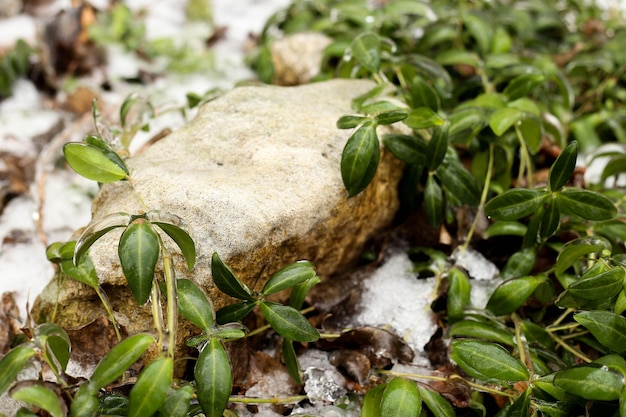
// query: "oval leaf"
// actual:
[[85, 402], [550, 220], [349, 122], [194, 305], [563, 168], [371, 401], [585, 203], [458, 181], [226, 280], [288, 322], [360, 158], [407, 148], [139, 251], [177, 403], [400, 399], [458, 293], [511, 294], [92, 163], [433, 201], [119, 359], [214, 379], [41, 397], [437, 146], [423, 118], [150, 389], [96, 230], [390, 117], [484, 360], [439, 406], [522, 85], [483, 331], [598, 286], [609, 328], [182, 239], [515, 203], [501, 120], [288, 277], [591, 383], [12, 363], [366, 50], [291, 361], [299, 292], [234, 312], [575, 250]]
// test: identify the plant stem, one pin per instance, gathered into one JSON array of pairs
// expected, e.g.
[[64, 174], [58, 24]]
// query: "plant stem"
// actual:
[[157, 313], [525, 160], [483, 199], [172, 298], [107, 306], [570, 349]]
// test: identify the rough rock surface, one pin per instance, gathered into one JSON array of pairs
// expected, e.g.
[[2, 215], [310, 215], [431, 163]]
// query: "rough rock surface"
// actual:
[[256, 178], [297, 58]]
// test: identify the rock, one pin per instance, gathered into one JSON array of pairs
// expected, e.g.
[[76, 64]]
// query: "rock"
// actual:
[[297, 58], [256, 178]]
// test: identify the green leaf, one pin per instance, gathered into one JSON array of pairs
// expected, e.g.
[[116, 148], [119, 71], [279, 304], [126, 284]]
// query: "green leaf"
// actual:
[[574, 250], [487, 361], [437, 146], [12, 363], [505, 228], [291, 361], [563, 168], [457, 56], [511, 294], [226, 280], [438, 406], [149, 392], [299, 292], [194, 305], [519, 264], [177, 402], [100, 143], [585, 203], [139, 252], [522, 85], [288, 322], [96, 230], [515, 203], [234, 312], [390, 117], [423, 118], [55, 345], [360, 158], [609, 328], [550, 219], [424, 95], [530, 129], [521, 405], [481, 30], [63, 254], [371, 401], [458, 181], [465, 124], [408, 148], [481, 330], [288, 277], [92, 163], [501, 120], [400, 399], [598, 286], [433, 201], [182, 239], [214, 379], [85, 402], [458, 293], [349, 122], [366, 50], [119, 359], [591, 383], [377, 90], [41, 397]]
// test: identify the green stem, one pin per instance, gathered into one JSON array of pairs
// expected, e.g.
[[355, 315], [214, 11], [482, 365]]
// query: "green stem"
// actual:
[[570, 349], [172, 299], [525, 161], [483, 199], [522, 347], [107, 306], [157, 314]]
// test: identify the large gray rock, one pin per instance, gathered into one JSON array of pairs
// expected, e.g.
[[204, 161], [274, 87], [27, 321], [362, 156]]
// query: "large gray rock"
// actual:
[[256, 178]]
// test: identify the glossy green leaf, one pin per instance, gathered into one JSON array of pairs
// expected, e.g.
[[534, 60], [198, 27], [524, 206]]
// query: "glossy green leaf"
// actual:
[[531, 132], [85, 402], [614, 362], [150, 390], [515, 203], [465, 124], [371, 401], [376, 91], [214, 379], [481, 30], [457, 56], [519, 264], [522, 85], [289, 277], [119, 359], [360, 158], [288, 322], [366, 50], [63, 254], [12, 363], [481, 330], [521, 405], [438, 406], [458, 293], [484, 360], [458, 181], [609, 328], [349, 122], [511, 294], [226, 280], [433, 201], [563, 168], [41, 397], [92, 163], [591, 383], [505, 228], [423, 118], [400, 399], [234, 312], [55, 345], [408, 148], [424, 95], [585, 203], [182, 239], [390, 117], [598, 286], [100, 143], [437, 146], [300, 291], [177, 402], [194, 305], [501, 120], [96, 230], [576, 250], [291, 361], [550, 219], [139, 252]]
